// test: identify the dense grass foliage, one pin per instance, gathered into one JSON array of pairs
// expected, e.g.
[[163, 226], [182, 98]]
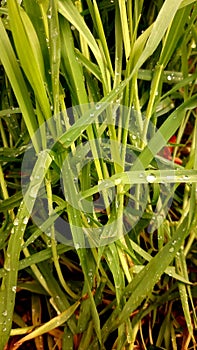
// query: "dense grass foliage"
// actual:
[[98, 174]]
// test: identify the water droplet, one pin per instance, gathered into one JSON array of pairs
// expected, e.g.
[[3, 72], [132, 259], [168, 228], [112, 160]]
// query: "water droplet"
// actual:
[[77, 246], [14, 289], [98, 106], [7, 268], [171, 250], [91, 114], [16, 222], [117, 181], [169, 77], [4, 329], [186, 178], [151, 178], [25, 220], [34, 191], [5, 313]]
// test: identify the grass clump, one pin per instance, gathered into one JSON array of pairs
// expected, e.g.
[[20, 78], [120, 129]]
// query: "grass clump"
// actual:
[[98, 174]]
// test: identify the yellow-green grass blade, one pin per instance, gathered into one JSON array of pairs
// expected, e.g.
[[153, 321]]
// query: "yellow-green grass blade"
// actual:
[[182, 269], [174, 35], [36, 258], [113, 261], [164, 133], [48, 326], [15, 76], [143, 283], [158, 141], [102, 38], [55, 51], [9, 281], [186, 3], [89, 65], [59, 298], [125, 28], [70, 65], [70, 12], [161, 24], [37, 12]]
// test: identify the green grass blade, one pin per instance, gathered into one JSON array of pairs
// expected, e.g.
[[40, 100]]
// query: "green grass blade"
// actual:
[[70, 12], [70, 65], [144, 282], [9, 282], [15, 76], [26, 40], [160, 26], [174, 35], [113, 261], [125, 28], [55, 50]]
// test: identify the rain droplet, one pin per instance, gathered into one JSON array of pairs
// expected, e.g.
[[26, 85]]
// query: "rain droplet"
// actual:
[[169, 77], [151, 178], [34, 191], [14, 289], [171, 250], [16, 222], [5, 313], [117, 181], [77, 246], [25, 220], [186, 178], [98, 106]]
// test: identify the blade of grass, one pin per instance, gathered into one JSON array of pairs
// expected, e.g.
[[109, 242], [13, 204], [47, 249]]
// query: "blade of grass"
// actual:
[[143, 283], [15, 76], [55, 49], [48, 326], [8, 286], [125, 28], [25, 39]]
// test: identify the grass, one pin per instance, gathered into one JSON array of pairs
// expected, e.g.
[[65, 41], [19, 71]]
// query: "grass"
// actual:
[[98, 174]]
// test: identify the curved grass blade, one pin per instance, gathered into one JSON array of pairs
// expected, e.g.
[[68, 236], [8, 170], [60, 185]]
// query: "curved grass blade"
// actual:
[[9, 281], [15, 76], [48, 326], [26, 41]]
